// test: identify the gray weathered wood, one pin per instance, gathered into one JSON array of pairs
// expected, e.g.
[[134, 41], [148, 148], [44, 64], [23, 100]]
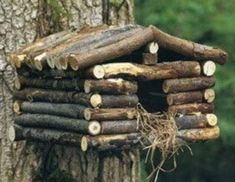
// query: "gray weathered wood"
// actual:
[[188, 84], [54, 122], [60, 109]]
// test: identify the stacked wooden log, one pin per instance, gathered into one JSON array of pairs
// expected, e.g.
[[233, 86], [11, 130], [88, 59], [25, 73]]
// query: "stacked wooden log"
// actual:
[[66, 93], [88, 107], [189, 98]]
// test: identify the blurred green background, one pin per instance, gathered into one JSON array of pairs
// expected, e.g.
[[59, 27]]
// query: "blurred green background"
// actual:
[[210, 22]]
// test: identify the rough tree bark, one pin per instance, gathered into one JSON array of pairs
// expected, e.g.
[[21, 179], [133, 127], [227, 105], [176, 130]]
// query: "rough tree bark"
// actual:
[[22, 22]]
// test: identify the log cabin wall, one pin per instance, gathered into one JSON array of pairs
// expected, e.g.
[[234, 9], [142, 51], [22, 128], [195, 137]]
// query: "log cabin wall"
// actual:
[[83, 87]]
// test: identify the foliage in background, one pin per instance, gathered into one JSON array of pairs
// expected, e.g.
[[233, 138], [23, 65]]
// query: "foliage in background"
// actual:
[[211, 22]]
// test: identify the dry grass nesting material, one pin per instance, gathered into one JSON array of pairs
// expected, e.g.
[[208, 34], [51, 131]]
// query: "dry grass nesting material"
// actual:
[[158, 132]]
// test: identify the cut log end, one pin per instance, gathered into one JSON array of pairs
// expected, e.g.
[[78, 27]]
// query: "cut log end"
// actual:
[[211, 119], [38, 65], [131, 114], [11, 133], [198, 68], [84, 144], [50, 63], [165, 88], [209, 95], [96, 100], [94, 128], [209, 68], [17, 84], [87, 114], [169, 99], [64, 63], [72, 61], [87, 87], [16, 107], [152, 47], [57, 64], [98, 72]]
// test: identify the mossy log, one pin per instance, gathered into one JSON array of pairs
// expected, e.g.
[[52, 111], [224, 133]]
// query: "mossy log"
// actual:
[[200, 134], [60, 109], [188, 84], [188, 48], [191, 108], [166, 70], [207, 95], [196, 121], [109, 114], [57, 122]]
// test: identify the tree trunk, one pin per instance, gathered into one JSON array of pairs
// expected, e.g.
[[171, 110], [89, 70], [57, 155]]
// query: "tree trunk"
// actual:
[[27, 161]]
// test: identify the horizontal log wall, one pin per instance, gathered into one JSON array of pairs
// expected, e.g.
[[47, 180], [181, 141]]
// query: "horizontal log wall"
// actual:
[[110, 86]]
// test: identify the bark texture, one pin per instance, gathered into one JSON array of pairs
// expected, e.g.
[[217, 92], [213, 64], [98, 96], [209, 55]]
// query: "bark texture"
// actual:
[[66, 110], [177, 69], [188, 48], [187, 84], [53, 122], [192, 108], [22, 22]]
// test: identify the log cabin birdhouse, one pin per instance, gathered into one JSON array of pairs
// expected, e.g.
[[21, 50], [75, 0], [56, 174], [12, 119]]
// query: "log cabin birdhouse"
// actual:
[[104, 88]]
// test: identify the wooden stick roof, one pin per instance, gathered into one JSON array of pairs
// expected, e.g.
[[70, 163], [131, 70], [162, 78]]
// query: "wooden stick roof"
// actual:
[[88, 47]]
